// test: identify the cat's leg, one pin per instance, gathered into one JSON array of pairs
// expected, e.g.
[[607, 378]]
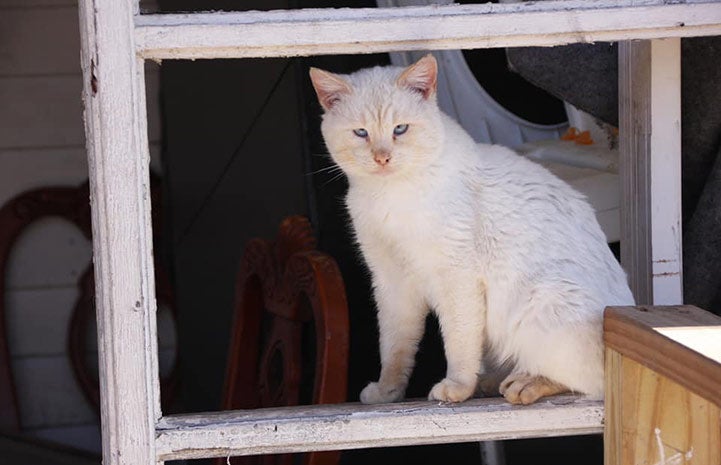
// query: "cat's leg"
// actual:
[[461, 314], [558, 343], [401, 321], [522, 388]]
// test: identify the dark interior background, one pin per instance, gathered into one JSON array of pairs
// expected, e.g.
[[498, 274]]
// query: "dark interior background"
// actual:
[[241, 144]]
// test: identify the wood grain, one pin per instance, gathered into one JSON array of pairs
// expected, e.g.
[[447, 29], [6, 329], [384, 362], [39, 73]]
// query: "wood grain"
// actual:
[[652, 420], [652, 336], [118, 159]]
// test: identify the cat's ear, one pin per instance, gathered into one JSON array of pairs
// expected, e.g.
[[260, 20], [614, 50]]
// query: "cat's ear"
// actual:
[[421, 77], [330, 87]]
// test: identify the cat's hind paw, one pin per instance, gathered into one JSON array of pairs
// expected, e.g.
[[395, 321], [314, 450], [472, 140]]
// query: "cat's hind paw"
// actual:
[[448, 390], [375, 393], [522, 388]]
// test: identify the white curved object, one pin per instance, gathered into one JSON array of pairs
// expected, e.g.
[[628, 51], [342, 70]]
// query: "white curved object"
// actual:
[[590, 169], [484, 118]]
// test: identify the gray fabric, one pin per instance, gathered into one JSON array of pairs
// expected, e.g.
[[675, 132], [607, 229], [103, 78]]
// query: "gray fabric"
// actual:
[[585, 75], [700, 115], [581, 74], [702, 246]]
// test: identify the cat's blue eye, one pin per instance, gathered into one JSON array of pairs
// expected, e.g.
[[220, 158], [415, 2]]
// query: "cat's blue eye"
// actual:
[[400, 129], [360, 133]]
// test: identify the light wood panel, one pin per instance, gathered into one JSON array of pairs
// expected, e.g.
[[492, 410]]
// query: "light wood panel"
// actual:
[[657, 338], [652, 420], [663, 372]]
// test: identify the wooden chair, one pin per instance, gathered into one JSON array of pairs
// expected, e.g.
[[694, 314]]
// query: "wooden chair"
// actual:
[[289, 342], [68, 203], [71, 204]]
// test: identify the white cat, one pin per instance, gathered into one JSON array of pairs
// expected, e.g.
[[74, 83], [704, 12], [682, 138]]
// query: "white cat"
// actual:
[[509, 257]]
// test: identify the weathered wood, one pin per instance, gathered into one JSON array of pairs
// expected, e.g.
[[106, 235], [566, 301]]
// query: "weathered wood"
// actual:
[[362, 30], [652, 420], [353, 426], [650, 169], [116, 129], [681, 343]]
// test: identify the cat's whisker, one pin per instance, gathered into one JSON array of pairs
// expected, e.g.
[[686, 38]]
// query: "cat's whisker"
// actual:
[[334, 178], [328, 169]]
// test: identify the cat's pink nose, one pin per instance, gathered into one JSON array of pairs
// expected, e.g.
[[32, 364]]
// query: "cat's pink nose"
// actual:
[[382, 157]]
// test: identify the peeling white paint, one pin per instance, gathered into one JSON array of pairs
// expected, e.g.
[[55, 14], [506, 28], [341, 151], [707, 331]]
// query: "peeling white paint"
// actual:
[[352, 426], [432, 27]]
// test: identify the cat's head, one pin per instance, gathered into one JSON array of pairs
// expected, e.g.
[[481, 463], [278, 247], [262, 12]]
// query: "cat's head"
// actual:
[[381, 121]]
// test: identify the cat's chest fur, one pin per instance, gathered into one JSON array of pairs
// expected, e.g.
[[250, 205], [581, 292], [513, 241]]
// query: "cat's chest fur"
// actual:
[[407, 224]]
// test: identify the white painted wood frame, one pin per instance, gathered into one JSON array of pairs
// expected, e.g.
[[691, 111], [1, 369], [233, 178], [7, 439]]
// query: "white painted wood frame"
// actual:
[[650, 168], [434, 27], [353, 426], [118, 164], [115, 40]]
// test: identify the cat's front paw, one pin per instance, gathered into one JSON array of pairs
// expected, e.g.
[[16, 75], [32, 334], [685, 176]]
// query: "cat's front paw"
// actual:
[[376, 393], [448, 390]]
